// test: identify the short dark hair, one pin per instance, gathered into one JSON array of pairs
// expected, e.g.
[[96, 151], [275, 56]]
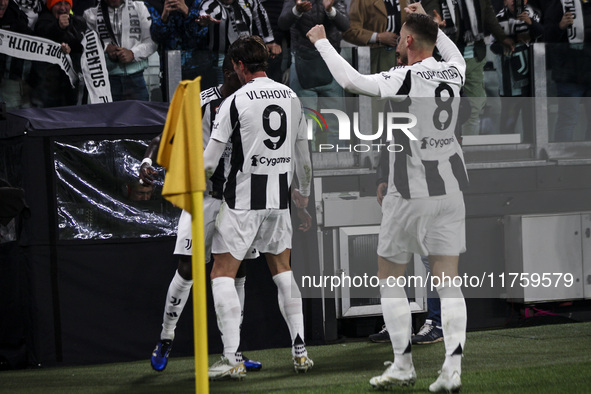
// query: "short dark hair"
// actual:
[[250, 50], [424, 26], [227, 64]]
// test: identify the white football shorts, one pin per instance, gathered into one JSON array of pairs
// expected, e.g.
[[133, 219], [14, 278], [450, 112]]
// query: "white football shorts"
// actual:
[[267, 230], [426, 226], [184, 239]]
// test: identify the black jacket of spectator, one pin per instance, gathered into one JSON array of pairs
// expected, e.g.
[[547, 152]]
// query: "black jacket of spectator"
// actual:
[[298, 27], [47, 26], [51, 86]]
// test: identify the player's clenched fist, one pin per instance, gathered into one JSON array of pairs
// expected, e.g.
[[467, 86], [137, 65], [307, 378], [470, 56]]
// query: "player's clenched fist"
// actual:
[[316, 33]]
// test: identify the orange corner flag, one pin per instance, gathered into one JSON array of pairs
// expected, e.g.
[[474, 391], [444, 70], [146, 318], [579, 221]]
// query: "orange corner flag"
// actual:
[[181, 146]]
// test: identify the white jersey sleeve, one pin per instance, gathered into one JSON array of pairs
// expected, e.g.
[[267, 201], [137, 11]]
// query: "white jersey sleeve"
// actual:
[[450, 53], [303, 164], [345, 75]]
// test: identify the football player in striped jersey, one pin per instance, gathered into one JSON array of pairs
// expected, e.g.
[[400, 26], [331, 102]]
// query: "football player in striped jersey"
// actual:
[[423, 210], [264, 121]]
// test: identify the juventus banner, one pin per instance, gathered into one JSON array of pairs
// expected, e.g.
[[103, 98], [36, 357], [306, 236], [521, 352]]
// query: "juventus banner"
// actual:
[[36, 48], [94, 69]]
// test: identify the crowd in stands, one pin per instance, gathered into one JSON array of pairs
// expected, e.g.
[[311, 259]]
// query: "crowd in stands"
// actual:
[[132, 30]]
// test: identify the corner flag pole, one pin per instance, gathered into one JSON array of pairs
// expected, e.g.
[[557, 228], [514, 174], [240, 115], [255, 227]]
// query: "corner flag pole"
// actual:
[[199, 294], [181, 153]]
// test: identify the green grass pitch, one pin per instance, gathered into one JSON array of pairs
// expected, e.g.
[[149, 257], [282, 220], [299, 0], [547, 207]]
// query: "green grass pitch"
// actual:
[[543, 359]]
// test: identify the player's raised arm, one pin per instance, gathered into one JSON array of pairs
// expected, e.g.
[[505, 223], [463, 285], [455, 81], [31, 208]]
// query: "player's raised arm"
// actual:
[[146, 171], [345, 75], [450, 52]]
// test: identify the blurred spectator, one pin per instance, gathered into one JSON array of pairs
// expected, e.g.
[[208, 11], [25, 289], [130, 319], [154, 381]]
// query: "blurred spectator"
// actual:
[[125, 34], [465, 21], [570, 27], [51, 86], [279, 64], [309, 76], [31, 8], [377, 24], [176, 26], [230, 19], [523, 26], [14, 90]]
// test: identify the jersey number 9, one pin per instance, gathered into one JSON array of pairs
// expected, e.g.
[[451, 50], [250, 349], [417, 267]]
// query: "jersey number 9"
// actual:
[[280, 131]]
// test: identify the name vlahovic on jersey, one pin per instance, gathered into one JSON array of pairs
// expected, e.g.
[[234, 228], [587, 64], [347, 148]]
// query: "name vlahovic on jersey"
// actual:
[[270, 94]]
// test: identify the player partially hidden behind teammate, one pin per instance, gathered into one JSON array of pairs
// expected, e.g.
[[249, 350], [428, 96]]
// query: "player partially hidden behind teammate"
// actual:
[[423, 211], [181, 283], [265, 123]]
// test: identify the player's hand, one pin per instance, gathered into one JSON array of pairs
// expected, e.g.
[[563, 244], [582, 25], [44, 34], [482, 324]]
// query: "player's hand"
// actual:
[[566, 21], [206, 19], [438, 19], [299, 200], [274, 49], [147, 173], [316, 33], [65, 48], [381, 192], [305, 219], [416, 8], [303, 6], [388, 39], [328, 5]]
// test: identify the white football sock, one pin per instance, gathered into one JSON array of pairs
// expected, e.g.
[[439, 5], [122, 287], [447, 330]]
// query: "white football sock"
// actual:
[[227, 309], [239, 285], [176, 298], [453, 321], [290, 305], [397, 317]]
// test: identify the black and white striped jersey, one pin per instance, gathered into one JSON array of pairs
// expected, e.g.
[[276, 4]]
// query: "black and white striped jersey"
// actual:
[[263, 120], [433, 163], [241, 17], [210, 102]]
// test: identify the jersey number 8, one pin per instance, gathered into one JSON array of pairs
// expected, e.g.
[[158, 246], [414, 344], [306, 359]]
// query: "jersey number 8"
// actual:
[[443, 106]]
